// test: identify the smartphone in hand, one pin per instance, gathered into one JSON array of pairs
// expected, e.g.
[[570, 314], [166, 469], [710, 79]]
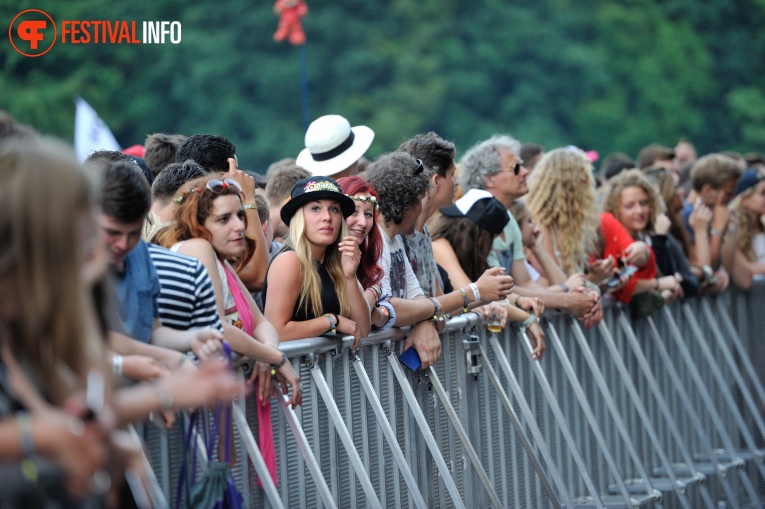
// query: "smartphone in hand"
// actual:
[[628, 271], [410, 359]]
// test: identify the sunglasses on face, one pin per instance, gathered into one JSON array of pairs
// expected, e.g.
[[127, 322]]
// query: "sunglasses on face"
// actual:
[[517, 168], [218, 186]]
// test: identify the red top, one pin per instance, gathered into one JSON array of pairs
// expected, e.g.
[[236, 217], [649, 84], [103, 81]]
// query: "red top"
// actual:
[[616, 240]]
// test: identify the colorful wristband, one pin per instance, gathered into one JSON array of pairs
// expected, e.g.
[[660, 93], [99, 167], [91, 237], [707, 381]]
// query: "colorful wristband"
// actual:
[[528, 322], [464, 300]]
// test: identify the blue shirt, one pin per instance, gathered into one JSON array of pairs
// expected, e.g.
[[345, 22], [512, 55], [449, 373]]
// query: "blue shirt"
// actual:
[[137, 291], [686, 213]]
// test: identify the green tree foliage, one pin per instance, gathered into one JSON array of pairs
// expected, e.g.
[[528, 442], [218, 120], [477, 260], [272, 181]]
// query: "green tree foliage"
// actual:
[[599, 74]]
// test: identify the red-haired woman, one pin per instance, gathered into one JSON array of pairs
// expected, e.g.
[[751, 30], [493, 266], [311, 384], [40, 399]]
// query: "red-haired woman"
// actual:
[[362, 226], [210, 225]]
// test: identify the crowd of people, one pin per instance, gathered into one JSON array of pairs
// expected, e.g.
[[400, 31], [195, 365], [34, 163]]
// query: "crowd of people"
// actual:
[[137, 270]]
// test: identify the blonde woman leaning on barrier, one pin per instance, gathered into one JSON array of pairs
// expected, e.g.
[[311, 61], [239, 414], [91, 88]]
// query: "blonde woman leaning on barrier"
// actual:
[[462, 238], [311, 286], [631, 207], [210, 225], [743, 251], [52, 351]]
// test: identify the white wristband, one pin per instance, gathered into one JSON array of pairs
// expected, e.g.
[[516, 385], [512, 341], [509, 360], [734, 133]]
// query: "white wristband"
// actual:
[[476, 293]]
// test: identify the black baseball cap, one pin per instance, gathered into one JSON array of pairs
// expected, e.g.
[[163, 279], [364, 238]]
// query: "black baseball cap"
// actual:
[[480, 207]]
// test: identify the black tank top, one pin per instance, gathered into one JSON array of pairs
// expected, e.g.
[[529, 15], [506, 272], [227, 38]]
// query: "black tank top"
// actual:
[[329, 300]]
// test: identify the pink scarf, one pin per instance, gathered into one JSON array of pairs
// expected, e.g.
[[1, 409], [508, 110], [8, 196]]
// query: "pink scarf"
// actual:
[[265, 431]]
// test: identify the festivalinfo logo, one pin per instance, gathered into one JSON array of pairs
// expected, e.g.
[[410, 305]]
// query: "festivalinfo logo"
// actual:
[[33, 32]]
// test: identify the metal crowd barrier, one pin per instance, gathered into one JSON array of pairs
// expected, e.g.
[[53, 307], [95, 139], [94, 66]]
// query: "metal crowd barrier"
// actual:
[[663, 412]]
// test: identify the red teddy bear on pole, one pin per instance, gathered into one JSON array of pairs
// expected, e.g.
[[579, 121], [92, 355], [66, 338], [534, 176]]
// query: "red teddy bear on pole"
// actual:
[[290, 12]]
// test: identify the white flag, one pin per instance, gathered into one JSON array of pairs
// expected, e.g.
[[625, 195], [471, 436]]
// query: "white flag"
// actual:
[[90, 132]]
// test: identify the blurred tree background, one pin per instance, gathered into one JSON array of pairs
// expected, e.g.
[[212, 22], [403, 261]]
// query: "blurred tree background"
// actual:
[[604, 75]]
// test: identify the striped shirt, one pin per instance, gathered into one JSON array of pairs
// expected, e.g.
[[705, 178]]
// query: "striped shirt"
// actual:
[[186, 298]]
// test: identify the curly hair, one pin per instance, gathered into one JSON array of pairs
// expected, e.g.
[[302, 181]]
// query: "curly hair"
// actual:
[[746, 224], [191, 212], [664, 182], [470, 242], [562, 199], [398, 186], [632, 178], [484, 160], [369, 272], [437, 153]]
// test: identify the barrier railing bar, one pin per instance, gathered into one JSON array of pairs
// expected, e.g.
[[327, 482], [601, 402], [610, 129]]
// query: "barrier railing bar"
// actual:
[[156, 495], [610, 403], [552, 402], [735, 371], [345, 437], [645, 419], [378, 430], [743, 355], [332, 446], [732, 405], [588, 414], [608, 399], [334, 363], [240, 421], [530, 422], [305, 450], [703, 393], [422, 423], [677, 384], [466, 444], [387, 431]]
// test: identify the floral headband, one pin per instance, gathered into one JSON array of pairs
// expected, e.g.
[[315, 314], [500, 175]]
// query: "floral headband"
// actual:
[[370, 199], [214, 185]]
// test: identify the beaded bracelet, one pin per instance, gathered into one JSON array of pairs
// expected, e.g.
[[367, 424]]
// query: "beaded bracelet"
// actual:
[[464, 300]]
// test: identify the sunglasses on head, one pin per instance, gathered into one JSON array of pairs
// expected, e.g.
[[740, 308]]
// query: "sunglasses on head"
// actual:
[[215, 185], [420, 167], [218, 186]]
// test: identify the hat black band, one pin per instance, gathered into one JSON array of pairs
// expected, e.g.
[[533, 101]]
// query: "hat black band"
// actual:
[[329, 154]]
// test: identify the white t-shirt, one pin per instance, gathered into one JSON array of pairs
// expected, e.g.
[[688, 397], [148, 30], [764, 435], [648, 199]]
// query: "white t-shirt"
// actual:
[[534, 273], [758, 245], [399, 279]]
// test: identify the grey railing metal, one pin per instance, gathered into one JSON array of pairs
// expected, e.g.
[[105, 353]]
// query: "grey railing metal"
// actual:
[[612, 417]]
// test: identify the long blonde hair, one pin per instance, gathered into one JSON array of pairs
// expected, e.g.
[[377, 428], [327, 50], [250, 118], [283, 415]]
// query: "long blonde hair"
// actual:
[[633, 178], [562, 199], [44, 198], [746, 228], [310, 291]]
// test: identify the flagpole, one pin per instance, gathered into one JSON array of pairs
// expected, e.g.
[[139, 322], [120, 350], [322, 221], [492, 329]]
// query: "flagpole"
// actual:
[[304, 99]]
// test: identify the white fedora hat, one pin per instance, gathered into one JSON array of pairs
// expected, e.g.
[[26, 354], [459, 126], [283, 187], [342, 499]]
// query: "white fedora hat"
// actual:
[[332, 145]]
